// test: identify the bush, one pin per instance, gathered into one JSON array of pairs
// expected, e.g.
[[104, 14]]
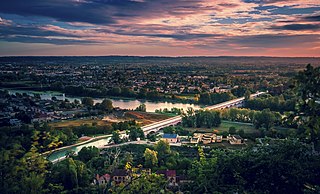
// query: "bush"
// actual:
[[232, 130]]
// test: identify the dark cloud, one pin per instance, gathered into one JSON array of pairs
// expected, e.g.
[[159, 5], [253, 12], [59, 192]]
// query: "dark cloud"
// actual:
[[304, 18], [100, 11], [266, 1], [55, 41], [12, 30], [297, 27], [176, 36], [38, 34], [313, 18], [231, 5], [62, 10], [181, 36], [272, 41]]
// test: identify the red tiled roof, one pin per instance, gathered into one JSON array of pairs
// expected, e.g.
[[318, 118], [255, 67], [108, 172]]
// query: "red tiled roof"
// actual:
[[106, 176], [171, 173]]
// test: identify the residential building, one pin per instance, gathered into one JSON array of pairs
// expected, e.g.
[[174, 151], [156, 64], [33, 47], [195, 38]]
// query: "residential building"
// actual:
[[235, 139], [219, 139], [171, 176], [120, 176], [170, 138], [102, 180]]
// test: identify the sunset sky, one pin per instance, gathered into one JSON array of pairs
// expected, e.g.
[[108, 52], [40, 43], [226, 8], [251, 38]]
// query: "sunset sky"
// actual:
[[160, 27]]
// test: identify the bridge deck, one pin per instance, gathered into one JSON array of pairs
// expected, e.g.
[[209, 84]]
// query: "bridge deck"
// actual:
[[177, 119]]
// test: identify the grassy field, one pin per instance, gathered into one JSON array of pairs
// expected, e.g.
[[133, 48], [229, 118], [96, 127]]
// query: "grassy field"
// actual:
[[225, 125], [78, 122]]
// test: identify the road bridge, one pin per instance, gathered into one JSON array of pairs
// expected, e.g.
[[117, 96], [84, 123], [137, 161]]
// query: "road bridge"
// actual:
[[155, 127]]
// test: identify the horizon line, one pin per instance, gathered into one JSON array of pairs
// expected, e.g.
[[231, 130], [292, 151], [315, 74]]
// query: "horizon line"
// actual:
[[161, 56]]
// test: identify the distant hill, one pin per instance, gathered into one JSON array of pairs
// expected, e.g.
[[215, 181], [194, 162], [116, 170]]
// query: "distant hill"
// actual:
[[103, 60]]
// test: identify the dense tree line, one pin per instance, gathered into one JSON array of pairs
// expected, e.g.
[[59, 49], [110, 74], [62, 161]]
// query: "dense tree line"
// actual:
[[201, 118], [215, 98], [274, 103], [264, 118], [92, 130], [142, 108], [173, 110], [123, 125], [104, 92]]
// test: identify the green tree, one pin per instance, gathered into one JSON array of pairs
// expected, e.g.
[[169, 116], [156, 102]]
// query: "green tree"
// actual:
[[290, 166], [87, 101], [247, 95], [232, 130], [169, 129], [136, 132], [116, 137], [152, 137], [86, 153], [72, 174], [106, 105], [241, 132], [142, 108], [116, 91], [144, 184], [164, 151], [205, 98], [268, 118], [308, 109], [265, 119], [150, 157]]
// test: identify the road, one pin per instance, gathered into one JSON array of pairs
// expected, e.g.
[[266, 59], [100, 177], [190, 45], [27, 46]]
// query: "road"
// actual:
[[154, 126]]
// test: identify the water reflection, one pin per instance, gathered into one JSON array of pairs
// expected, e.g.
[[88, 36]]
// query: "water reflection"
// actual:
[[123, 104]]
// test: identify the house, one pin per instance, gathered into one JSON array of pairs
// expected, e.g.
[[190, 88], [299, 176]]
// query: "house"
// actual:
[[214, 138], [196, 138], [215, 90], [170, 138], [41, 118], [170, 175], [139, 171], [120, 176], [206, 139], [102, 180], [235, 139], [219, 139]]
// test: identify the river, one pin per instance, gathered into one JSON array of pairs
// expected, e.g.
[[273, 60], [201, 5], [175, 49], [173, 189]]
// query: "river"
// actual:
[[121, 103]]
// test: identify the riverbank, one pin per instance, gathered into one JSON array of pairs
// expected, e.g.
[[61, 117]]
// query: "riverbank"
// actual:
[[183, 98], [123, 103]]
